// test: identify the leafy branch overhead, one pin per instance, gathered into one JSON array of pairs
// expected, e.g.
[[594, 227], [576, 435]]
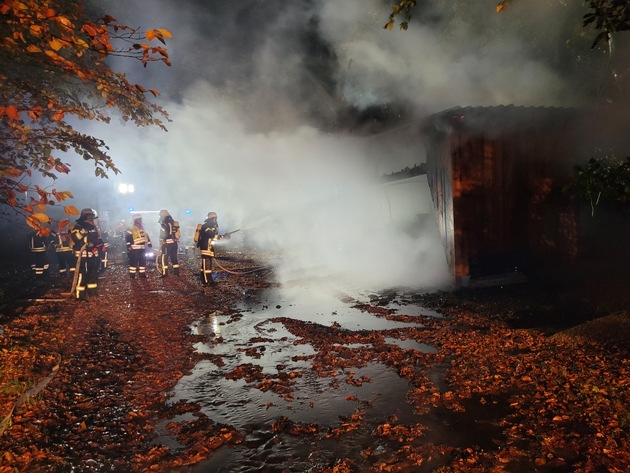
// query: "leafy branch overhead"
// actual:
[[54, 73], [607, 16], [606, 177]]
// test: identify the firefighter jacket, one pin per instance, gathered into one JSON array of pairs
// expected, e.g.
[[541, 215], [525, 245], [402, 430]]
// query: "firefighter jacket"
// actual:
[[38, 243], [208, 233], [168, 230], [86, 239], [63, 242], [136, 238]]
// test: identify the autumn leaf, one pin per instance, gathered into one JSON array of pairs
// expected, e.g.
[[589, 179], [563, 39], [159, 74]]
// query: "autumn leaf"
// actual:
[[55, 44], [58, 115], [35, 113], [11, 111], [89, 30], [64, 21], [80, 42], [62, 168], [33, 49], [49, 12], [108, 19], [164, 32], [12, 172], [53, 55], [32, 222], [35, 30], [70, 210], [60, 196]]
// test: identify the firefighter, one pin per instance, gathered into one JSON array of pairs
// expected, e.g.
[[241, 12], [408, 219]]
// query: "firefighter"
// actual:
[[87, 241], [137, 241], [103, 252], [62, 242], [169, 236], [38, 245], [205, 236]]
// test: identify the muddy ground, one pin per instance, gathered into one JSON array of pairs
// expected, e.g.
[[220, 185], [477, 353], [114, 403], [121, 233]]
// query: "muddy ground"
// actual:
[[518, 378]]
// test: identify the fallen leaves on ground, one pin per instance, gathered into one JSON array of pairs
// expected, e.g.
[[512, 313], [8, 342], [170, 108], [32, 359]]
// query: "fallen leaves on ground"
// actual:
[[551, 403]]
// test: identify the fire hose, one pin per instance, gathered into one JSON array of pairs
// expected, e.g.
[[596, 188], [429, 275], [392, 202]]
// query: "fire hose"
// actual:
[[238, 273], [75, 276], [215, 261]]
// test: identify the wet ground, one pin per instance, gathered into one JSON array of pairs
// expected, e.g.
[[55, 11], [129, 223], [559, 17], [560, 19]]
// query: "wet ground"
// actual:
[[251, 375]]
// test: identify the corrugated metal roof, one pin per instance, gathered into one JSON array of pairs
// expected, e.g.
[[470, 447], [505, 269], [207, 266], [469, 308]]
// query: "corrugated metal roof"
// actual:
[[500, 117]]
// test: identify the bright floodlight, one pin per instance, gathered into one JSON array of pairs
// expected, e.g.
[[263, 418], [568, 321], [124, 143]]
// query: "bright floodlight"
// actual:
[[124, 188]]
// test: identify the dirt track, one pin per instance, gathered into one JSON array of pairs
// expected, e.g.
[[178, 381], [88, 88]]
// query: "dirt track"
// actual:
[[560, 403]]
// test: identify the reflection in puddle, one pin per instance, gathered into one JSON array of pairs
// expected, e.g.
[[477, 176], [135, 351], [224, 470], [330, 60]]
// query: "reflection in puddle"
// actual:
[[411, 345], [234, 402], [318, 306], [256, 338]]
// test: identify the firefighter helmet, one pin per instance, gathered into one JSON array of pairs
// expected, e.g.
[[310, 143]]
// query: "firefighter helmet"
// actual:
[[212, 215], [88, 214]]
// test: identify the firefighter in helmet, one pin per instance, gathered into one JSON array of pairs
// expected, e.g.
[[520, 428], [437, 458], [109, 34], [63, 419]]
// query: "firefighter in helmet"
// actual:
[[207, 233], [169, 236], [86, 240], [63, 249], [137, 240], [38, 244]]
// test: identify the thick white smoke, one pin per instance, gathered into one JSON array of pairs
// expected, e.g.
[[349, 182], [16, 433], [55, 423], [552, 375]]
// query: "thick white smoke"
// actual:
[[312, 197]]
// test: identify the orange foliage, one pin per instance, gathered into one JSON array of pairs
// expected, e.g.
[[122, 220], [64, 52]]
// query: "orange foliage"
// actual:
[[52, 54]]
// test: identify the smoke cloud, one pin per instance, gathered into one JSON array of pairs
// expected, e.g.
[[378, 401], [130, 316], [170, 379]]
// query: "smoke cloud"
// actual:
[[286, 114]]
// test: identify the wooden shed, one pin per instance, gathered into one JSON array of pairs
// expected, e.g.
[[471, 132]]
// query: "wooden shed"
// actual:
[[496, 176]]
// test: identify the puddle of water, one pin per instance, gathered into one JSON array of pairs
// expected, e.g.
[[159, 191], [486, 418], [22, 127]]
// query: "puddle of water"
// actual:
[[237, 403], [253, 338], [410, 344], [399, 306], [413, 310], [164, 438], [317, 305]]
